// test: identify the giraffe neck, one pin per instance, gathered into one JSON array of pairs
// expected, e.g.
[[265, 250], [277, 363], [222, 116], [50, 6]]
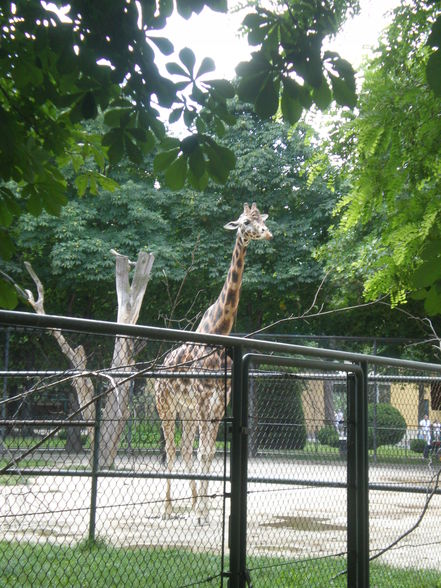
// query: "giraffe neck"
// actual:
[[219, 318]]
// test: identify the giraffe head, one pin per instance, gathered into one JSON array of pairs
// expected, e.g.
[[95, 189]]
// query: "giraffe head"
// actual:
[[250, 225]]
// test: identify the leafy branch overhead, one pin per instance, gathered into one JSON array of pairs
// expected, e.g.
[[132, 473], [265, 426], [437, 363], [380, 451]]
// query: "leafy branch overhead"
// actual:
[[62, 69], [290, 69]]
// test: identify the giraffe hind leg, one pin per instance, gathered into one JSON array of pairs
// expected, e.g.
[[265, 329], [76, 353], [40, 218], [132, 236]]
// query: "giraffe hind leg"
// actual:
[[167, 414], [189, 427]]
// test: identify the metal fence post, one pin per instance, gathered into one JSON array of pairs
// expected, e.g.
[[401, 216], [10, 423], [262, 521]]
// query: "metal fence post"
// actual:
[[358, 479], [95, 468], [239, 473]]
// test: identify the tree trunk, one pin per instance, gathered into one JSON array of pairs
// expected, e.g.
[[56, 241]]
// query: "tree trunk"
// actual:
[[116, 407]]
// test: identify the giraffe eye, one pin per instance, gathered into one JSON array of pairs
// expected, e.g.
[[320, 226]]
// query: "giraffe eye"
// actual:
[[246, 222]]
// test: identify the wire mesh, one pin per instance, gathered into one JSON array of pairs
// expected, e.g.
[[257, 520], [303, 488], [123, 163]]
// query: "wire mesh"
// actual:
[[83, 481]]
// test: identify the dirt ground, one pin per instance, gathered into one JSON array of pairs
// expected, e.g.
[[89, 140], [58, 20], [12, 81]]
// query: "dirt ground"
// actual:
[[301, 520]]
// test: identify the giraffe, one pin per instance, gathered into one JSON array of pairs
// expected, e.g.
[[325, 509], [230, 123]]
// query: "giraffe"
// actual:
[[200, 403]]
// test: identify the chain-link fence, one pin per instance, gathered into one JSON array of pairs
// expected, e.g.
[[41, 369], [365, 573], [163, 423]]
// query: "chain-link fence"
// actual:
[[124, 462]]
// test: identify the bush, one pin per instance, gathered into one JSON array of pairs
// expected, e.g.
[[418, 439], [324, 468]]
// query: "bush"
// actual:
[[278, 420], [390, 425], [417, 445], [328, 436]]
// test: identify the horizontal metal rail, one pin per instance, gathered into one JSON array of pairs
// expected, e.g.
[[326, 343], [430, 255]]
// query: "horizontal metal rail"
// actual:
[[218, 374], [217, 478], [25, 319], [44, 423]]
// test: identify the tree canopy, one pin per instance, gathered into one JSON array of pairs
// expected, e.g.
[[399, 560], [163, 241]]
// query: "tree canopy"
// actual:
[[389, 231], [184, 230], [61, 67]]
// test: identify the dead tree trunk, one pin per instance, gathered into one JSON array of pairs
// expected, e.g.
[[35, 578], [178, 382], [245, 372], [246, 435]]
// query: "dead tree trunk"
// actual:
[[130, 297], [77, 358]]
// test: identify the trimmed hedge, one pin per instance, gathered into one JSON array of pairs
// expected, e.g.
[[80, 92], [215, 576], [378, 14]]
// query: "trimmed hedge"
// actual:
[[418, 445], [328, 436], [390, 425]]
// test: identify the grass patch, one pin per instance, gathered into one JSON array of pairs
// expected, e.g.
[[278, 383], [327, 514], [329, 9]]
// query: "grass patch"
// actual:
[[99, 566]]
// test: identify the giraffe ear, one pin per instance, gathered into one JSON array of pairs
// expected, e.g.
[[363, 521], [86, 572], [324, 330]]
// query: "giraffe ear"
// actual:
[[232, 226], [263, 217]]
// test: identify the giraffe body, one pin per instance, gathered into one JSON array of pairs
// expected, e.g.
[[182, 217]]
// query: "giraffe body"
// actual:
[[200, 403]]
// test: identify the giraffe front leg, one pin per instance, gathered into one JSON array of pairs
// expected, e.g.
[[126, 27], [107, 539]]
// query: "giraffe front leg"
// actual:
[[168, 417], [206, 451]]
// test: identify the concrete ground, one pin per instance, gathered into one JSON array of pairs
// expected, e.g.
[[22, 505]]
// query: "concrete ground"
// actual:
[[295, 520]]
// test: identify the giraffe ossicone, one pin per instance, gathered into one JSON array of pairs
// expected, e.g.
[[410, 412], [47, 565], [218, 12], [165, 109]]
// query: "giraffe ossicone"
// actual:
[[200, 403]]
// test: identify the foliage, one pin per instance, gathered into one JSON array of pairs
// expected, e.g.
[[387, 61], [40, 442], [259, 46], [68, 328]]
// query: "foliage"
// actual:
[[60, 67], [184, 231], [290, 62], [278, 421], [418, 445], [328, 435], [390, 425], [389, 231]]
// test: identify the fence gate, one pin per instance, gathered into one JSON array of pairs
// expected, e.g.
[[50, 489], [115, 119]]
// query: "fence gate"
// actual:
[[295, 519]]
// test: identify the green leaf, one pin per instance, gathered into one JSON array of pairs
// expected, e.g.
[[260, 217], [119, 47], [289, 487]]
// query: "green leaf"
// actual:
[[222, 87], [432, 303], [8, 294], [217, 5], [427, 274], [197, 163], [81, 182], [164, 159], [206, 66], [189, 144], [107, 183], [344, 93], [291, 109], [115, 140], [198, 183], [34, 204], [176, 173], [322, 96], [250, 86], [7, 246], [133, 152], [220, 162], [175, 115], [433, 72], [6, 216], [112, 118], [434, 39], [89, 108], [267, 101], [138, 134], [298, 92], [176, 69], [188, 58], [164, 45]]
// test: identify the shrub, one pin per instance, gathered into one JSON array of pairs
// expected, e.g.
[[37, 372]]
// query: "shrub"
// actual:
[[278, 420], [390, 425], [328, 436], [417, 445]]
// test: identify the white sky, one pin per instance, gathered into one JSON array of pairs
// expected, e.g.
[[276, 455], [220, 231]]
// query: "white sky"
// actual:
[[215, 35]]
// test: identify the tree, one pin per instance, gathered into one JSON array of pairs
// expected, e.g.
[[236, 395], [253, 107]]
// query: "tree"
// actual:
[[99, 58], [116, 410], [184, 231], [389, 231]]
